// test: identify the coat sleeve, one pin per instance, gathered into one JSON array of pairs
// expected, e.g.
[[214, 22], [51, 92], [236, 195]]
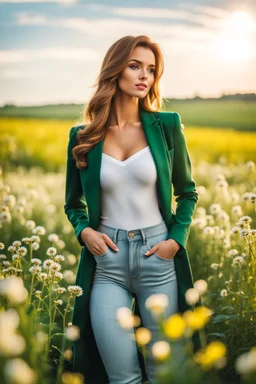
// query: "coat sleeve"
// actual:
[[183, 185], [75, 204]]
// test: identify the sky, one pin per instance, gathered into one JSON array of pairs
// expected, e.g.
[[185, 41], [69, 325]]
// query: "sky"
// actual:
[[51, 50]]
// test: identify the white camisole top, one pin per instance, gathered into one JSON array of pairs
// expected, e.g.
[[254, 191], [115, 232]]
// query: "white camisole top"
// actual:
[[128, 191]]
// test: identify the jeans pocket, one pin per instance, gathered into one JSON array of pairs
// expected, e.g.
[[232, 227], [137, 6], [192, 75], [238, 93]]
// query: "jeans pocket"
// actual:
[[103, 254], [153, 240]]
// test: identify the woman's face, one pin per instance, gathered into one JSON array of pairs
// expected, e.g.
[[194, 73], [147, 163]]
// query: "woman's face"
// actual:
[[140, 71]]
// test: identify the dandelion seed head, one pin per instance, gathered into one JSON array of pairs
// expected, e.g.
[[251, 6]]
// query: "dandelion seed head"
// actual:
[[223, 292], [35, 238], [215, 208], [208, 231], [30, 224], [53, 238], [39, 230], [35, 246], [9, 200], [72, 333]]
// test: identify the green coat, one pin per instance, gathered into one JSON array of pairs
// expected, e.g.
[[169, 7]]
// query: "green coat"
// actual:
[[82, 207]]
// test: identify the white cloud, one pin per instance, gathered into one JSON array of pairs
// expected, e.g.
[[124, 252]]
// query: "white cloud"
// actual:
[[25, 55], [63, 2]]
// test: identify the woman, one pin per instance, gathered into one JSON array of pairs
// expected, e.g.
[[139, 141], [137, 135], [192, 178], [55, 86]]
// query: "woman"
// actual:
[[120, 171]]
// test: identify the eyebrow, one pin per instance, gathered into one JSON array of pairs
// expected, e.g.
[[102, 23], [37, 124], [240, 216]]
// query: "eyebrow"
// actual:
[[140, 62]]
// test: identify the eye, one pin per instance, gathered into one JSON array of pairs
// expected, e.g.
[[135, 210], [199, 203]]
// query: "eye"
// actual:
[[134, 65]]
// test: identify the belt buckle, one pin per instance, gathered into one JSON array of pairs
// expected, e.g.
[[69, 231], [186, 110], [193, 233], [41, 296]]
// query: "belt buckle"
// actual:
[[131, 234]]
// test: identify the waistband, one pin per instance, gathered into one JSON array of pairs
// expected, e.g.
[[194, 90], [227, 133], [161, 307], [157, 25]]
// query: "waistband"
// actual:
[[133, 234]]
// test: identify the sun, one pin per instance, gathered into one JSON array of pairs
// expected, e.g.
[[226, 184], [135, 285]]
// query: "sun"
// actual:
[[234, 41]]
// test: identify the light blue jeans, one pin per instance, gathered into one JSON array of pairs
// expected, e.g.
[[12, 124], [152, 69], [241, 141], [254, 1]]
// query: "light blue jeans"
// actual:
[[117, 275]]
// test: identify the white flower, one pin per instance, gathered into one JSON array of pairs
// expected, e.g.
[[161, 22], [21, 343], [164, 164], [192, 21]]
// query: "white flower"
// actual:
[[223, 216], [16, 243], [35, 269], [245, 219], [48, 263], [14, 290], [35, 238], [215, 208], [36, 261], [72, 333], [1, 246], [161, 350], [58, 258], [125, 317], [232, 252], [11, 343], [51, 251], [237, 210], [55, 267], [53, 238], [157, 303], [5, 217], [250, 165], [16, 256], [235, 230], [238, 260], [71, 259], [18, 371], [22, 251], [26, 240], [201, 286], [246, 363], [208, 231], [76, 290], [222, 184], [57, 275], [35, 245], [2, 256], [69, 276], [30, 224], [42, 276], [58, 302], [6, 263], [60, 290], [39, 230], [223, 292], [9, 200], [192, 296], [215, 265]]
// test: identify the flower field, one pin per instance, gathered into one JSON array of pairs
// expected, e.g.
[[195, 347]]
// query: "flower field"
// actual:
[[39, 255]]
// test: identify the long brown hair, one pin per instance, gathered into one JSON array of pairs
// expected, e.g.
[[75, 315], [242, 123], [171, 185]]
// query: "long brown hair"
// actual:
[[97, 111]]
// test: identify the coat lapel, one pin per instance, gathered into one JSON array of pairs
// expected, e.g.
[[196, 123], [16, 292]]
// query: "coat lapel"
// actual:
[[90, 177]]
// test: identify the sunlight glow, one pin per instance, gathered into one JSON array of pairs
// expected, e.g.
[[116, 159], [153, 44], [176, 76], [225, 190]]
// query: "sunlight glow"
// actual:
[[234, 42]]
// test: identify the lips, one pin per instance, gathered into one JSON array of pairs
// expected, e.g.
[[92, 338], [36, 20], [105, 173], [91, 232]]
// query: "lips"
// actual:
[[141, 85]]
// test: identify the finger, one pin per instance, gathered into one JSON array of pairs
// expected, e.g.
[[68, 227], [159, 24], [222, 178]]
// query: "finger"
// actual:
[[111, 243], [152, 250]]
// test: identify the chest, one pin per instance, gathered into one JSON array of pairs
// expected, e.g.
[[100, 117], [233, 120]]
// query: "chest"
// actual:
[[122, 144]]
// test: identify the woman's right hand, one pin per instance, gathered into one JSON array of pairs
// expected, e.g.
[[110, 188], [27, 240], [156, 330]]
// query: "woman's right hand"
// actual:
[[96, 241]]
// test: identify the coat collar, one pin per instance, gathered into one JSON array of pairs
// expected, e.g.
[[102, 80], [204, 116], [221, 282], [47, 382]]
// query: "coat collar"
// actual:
[[90, 177]]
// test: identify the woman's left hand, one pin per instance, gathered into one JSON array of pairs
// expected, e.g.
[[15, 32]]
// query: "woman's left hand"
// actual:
[[166, 249]]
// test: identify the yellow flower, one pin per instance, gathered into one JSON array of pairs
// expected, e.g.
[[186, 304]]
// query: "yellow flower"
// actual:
[[143, 336], [214, 352], [198, 318], [174, 326]]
